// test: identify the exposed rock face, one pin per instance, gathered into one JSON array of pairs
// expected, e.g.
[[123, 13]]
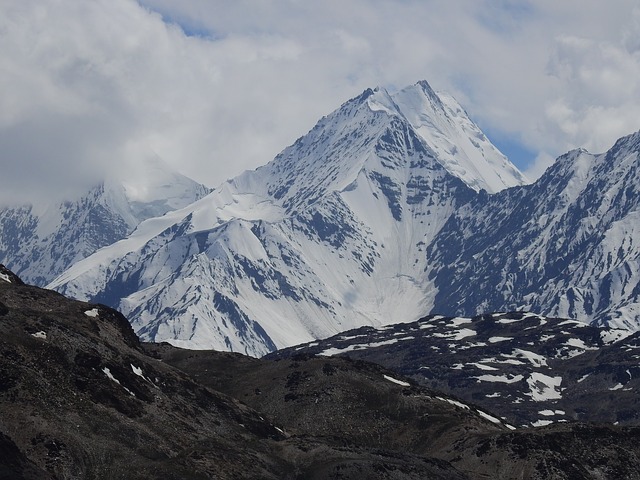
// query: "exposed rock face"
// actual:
[[564, 246]]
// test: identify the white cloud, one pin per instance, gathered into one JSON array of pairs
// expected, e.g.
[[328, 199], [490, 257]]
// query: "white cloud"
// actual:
[[539, 165], [600, 87], [89, 87]]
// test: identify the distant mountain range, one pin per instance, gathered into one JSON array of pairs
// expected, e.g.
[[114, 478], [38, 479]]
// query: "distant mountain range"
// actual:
[[392, 207], [568, 245]]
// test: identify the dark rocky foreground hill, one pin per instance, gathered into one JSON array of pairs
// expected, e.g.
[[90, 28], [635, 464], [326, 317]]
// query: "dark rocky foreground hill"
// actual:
[[81, 397]]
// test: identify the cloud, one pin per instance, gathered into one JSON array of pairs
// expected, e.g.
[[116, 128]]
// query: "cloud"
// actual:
[[600, 82], [215, 87], [536, 168]]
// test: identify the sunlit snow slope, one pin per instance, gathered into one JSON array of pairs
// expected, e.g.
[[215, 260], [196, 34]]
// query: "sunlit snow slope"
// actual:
[[331, 235]]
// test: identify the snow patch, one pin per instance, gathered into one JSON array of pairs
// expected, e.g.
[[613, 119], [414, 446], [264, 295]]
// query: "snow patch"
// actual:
[[500, 378], [138, 372], [480, 366], [107, 372], [110, 376], [396, 381], [535, 359], [506, 321], [456, 334], [456, 322], [491, 418], [472, 345], [424, 326], [542, 423], [575, 323], [329, 352], [499, 339], [454, 402], [544, 387], [5, 277], [578, 343], [613, 335], [551, 413], [41, 335], [92, 313]]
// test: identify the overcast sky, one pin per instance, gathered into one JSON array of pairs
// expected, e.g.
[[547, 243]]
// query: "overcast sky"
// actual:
[[214, 87]]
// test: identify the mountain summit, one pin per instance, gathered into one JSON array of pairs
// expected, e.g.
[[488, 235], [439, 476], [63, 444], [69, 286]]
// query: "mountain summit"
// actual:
[[330, 235], [459, 144]]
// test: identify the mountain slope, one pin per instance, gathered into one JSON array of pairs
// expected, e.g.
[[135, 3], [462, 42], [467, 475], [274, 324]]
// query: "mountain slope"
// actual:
[[381, 213], [566, 245], [534, 370], [41, 242], [323, 396], [330, 235], [81, 397]]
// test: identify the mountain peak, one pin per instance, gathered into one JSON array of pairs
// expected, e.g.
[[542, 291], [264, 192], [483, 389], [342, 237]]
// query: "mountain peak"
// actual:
[[458, 143], [312, 242]]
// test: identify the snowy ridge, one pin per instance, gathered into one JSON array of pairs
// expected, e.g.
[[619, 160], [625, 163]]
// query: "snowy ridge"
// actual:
[[459, 144], [567, 244]]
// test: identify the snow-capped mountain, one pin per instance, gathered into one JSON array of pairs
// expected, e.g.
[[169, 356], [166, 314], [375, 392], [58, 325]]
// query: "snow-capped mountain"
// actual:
[[568, 245], [40, 242], [330, 235], [379, 215]]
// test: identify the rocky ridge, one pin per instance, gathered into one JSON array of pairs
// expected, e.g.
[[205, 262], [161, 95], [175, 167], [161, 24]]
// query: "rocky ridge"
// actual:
[[534, 370]]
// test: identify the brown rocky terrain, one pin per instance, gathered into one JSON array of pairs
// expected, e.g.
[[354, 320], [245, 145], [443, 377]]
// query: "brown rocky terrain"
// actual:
[[81, 397]]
